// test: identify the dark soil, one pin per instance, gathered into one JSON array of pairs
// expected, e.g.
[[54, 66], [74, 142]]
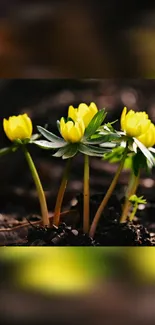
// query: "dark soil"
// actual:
[[110, 232]]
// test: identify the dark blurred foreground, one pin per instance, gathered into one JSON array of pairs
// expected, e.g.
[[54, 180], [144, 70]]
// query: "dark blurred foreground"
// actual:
[[74, 286]]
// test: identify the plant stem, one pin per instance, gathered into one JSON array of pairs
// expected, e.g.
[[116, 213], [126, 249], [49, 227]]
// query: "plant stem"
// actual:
[[41, 194], [61, 192], [108, 195], [86, 195], [130, 185], [133, 184], [134, 211]]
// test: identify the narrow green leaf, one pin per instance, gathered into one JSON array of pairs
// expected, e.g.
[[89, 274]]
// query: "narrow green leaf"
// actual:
[[152, 149], [58, 125], [108, 126], [49, 145], [7, 150], [61, 151], [108, 145], [68, 151], [91, 150], [145, 151], [103, 138], [49, 135], [35, 137], [95, 123], [71, 152]]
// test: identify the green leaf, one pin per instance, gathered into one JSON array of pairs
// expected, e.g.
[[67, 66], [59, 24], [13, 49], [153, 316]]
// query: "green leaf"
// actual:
[[139, 161], [95, 123], [35, 137], [145, 152], [107, 126], [71, 152], [114, 155], [58, 125], [61, 151], [49, 145], [108, 145], [102, 138], [68, 151], [91, 150], [128, 164], [4, 151], [49, 135]]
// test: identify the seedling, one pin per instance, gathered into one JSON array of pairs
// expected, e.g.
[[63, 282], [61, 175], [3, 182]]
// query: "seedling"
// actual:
[[135, 200]]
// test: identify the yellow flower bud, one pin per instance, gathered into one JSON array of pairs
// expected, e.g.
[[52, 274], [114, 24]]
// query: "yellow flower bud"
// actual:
[[138, 125], [18, 127], [85, 112], [72, 131]]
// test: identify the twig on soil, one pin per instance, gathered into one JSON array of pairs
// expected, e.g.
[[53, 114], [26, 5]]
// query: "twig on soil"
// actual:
[[38, 222]]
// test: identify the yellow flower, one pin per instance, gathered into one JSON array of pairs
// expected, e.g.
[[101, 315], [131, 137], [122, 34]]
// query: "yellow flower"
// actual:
[[18, 127], [85, 112], [138, 125], [148, 138], [72, 131]]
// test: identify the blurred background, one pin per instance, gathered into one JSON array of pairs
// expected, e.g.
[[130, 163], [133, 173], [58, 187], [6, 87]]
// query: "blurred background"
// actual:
[[66, 38]]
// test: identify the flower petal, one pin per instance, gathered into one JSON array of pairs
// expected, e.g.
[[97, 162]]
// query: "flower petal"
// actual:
[[148, 138], [123, 116], [75, 134], [63, 129], [7, 129], [81, 126], [72, 113], [28, 124], [83, 109], [93, 107]]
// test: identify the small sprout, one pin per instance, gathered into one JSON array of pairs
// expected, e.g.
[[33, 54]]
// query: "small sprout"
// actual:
[[139, 200], [135, 200]]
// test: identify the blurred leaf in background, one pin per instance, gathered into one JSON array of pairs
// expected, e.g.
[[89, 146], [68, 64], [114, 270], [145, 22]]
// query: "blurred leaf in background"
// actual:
[[75, 270], [69, 270]]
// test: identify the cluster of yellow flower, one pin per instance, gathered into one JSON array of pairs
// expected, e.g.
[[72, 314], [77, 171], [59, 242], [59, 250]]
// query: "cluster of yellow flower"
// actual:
[[134, 124], [80, 132], [73, 131]]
